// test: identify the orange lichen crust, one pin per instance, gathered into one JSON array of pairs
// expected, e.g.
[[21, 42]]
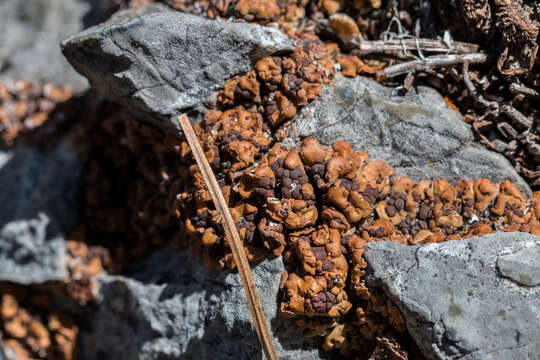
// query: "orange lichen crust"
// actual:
[[32, 324], [31, 329], [316, 205], [319, 206], [279, 86], [25, 106]]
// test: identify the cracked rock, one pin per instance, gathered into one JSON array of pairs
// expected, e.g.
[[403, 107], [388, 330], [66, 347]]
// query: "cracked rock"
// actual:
[[456, 303], [173, 307], [418, 134], [39, 209], [160, 62]]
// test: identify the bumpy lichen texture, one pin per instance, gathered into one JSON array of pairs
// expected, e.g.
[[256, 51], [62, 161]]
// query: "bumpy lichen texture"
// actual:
[[32, 324], [31, 329], [318, 206], [25, 106], [315, 205]]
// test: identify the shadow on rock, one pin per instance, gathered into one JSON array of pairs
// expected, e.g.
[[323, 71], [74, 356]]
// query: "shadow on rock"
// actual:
[[181, 273], [220, 341]]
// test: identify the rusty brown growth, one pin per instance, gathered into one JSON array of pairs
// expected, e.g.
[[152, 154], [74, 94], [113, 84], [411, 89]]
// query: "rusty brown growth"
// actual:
[[233, 238]]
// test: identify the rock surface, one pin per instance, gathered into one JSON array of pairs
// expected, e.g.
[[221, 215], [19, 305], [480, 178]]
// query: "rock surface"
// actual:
[[456, 303], [39, 207], [7, 353], [418, 134], [174, 308], [31, 33], [160, 62], [522, 266]]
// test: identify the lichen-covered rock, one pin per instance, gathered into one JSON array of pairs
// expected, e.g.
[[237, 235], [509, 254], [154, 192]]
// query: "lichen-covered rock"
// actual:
[[418, 134], [31, 31], [161, 62], [456, 303], [175, 308], [39, 197]]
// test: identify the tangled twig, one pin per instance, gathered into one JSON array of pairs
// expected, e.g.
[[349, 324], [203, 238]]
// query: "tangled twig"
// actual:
[[430, 63]]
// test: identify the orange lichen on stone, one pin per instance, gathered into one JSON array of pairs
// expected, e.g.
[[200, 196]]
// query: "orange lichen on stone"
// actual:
[[319, 206], [282, 84], [32, 332]]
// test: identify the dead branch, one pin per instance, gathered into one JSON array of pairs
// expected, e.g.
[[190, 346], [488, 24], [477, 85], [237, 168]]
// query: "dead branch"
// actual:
[[472, 90], [516, 116], [430, 63], [426, 45]]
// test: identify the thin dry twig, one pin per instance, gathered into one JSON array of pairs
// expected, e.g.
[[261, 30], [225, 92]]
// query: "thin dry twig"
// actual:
[[234, 240], [430, 63], [472, 90], [517, 116], [427, 45]]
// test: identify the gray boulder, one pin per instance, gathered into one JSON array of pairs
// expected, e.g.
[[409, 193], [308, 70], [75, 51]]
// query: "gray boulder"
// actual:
[[172, 307], [30, 35], [39, 197], [418, 134], [456, 302], [160, 63]]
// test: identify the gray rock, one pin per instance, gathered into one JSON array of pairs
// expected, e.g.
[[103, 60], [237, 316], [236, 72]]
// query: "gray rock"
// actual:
[[522, 265], [160, 62], [30, 33], [418, 134], [7, 353], [39, 197], [174, 308], [456, 303]]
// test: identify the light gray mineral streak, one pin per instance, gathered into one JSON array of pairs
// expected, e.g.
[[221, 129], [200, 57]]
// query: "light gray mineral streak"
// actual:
[[159, 62], [456, 302], [418, 134]]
